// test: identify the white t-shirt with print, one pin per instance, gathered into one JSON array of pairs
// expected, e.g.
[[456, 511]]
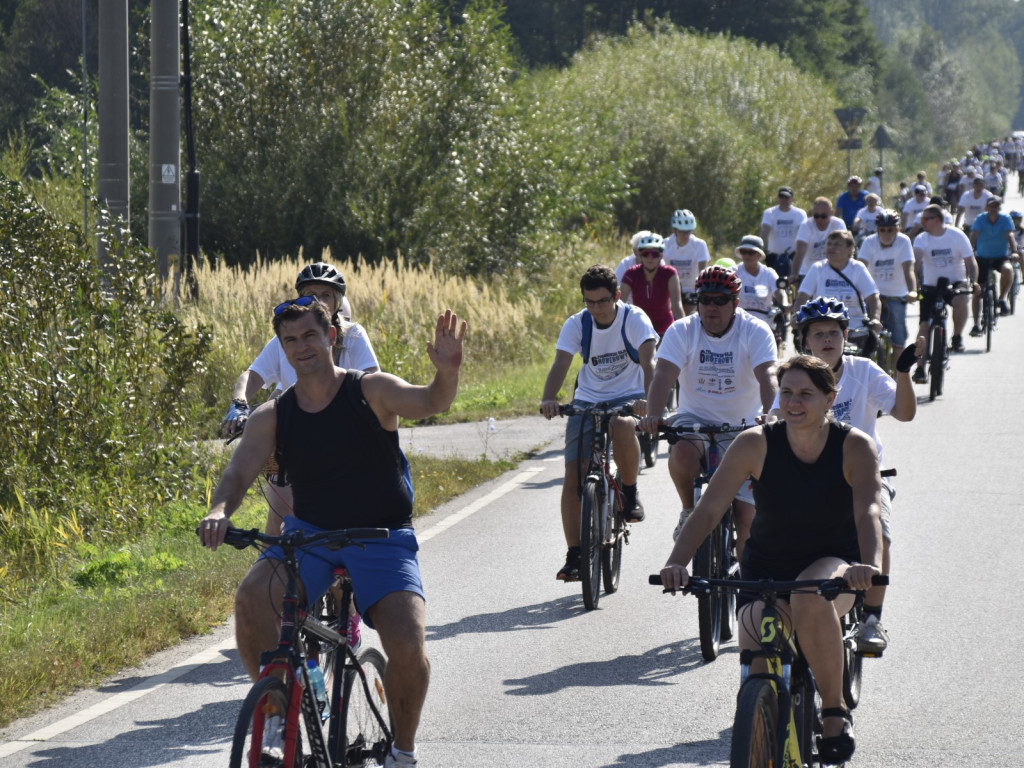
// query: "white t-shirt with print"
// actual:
[[822, 280], [868, 219], [716, 375], [943, 255], [815, 239], [886, 264], [784, 226], [610, 373], [973, 206], [688, 260], [756, 292], [273, 367]]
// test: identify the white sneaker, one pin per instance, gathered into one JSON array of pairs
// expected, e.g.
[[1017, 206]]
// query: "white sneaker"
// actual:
[[402, 759], [683, 517], [273, 741], [871, 636]]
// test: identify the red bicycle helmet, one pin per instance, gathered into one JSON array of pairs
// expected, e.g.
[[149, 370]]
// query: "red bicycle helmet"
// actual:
[[718, 280]]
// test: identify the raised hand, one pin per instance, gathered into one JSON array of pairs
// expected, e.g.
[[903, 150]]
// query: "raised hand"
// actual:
[[446, 351]]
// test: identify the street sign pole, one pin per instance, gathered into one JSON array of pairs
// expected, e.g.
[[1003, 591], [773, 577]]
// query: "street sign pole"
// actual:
[[850, 118]]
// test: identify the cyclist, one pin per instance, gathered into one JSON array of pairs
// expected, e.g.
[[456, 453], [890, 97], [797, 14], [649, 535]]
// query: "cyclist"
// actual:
[[687, 253], [993, 240], [810, 237], [864, 392], [760, 283], [817, 489], [779, 225], [942, 251], [851, 201], [914, 206], [653, 286], [722, 358], [864, 221], [355, 482], [352, 349], [633, 258], [889, 256], [844, 277], [972, 203], [617, 368]]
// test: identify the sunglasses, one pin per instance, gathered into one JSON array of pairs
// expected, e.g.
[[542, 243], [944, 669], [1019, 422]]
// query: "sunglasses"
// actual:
[[651, 254], [822, 215], [718, 299], [886, 229], [748, 252], [302, 301]]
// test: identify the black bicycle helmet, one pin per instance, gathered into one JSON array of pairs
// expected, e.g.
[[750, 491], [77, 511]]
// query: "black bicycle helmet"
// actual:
[[823, 308], [321, 274]]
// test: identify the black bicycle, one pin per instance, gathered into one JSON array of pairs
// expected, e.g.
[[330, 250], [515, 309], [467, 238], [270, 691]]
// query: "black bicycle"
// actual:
[[603, 530], [989, 299], [716, 556], [359, 731], [937, 352]]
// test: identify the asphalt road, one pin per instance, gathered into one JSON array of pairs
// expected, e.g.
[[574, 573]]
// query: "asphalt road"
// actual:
[[524, 676]]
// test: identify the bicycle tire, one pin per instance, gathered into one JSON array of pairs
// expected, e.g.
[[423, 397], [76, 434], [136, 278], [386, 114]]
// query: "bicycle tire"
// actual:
[[990, 315], [1014, 289], [249, 726], [366, 743], [707, 564], [729, 620], [853, 661], [755, 727], [611, 553], [649, 448], [937, 357], [806, 713], [591, 543]]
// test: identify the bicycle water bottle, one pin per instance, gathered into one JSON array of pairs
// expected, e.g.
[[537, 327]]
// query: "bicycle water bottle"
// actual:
[[316, 679]]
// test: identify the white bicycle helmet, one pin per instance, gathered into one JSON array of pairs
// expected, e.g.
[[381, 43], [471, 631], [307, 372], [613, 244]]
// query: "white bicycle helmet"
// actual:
[[684, 220], [651, 242]]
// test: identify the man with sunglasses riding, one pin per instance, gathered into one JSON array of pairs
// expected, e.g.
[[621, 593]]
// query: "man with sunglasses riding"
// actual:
[[360, 481], [889, 256], [810, 238], [723, 359]]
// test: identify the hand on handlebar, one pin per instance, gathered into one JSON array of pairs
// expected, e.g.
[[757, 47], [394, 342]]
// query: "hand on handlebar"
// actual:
[[549, 408], [674, 577], [234, 420], [213, 528], [649, 423], [858, 575]]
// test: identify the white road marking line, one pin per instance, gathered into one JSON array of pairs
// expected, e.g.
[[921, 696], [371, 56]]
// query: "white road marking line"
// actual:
[[457, 517], [117, 700]]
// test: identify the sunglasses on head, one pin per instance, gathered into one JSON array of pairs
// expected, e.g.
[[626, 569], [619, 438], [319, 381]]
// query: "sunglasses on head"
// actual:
[[718, 299], [302, 301]]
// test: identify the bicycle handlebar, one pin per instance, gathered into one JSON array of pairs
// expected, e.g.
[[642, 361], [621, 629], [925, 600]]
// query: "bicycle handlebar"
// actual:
[[827, 588], [344, 537], [674, 434], [600, 409]]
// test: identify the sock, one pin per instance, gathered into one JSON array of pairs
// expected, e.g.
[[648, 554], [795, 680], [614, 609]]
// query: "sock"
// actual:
[[402, 756], [629, 488], [873, 610]]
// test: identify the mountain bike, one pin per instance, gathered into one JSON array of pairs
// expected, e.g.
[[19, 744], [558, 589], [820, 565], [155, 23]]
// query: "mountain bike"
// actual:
[[357, 721], [603, 530], [989, 297], [716, 556], [778, 719], [937, 353]]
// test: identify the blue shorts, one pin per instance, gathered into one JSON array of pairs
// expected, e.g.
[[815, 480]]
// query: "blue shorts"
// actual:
[[572, 429], [895, 319], [385, 566]]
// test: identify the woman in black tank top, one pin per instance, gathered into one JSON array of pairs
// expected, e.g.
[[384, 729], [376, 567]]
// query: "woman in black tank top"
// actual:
[[816, 492]]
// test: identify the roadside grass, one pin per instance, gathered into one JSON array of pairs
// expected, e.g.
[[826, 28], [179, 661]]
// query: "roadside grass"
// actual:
[[112, 608]]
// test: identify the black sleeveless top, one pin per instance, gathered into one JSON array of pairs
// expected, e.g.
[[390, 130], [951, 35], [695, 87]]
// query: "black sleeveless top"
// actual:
[[804, 511], [342, 474]]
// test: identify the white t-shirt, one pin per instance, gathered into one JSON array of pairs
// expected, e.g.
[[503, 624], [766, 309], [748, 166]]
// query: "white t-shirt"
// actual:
[[688, 260], [973, 205], [815, 239], [947, 218], [626, 263], [864, 390], [757, 290], [912, 208], [886, 264], [273, 367], [873, 186], [716, 376], [822, 280], [784, 226], [610, 372], [868, 219], [943, 256]]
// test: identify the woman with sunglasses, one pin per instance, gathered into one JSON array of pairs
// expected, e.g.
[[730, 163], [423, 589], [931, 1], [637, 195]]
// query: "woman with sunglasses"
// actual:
[[722, 358], [653, 286]]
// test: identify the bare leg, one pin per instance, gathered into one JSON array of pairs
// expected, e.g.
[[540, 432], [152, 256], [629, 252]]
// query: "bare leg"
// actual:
[[683, 467], [257, 603], [571, 505], [626, 448]]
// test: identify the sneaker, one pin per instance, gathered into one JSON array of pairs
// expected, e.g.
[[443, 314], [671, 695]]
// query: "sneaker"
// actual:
[[355, 638], [976, 331], [273, 741], [958, 344], [919, 377], [871, 636], [401, 759], [632, 509], [1004, 307], [683, 517], [571, 570]]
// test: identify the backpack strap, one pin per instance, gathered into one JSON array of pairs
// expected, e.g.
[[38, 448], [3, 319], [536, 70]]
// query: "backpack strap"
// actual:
[[588, 333]]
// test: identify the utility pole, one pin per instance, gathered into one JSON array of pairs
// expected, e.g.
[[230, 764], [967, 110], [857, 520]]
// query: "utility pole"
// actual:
[[112, 181], [165, 139]]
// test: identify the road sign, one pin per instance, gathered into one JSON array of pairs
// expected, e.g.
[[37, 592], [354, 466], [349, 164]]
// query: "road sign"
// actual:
[[849, 143], [882, 139], [850, 118]]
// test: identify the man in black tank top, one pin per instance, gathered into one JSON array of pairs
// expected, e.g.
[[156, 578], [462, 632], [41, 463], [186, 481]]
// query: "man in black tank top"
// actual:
[[339, 484]]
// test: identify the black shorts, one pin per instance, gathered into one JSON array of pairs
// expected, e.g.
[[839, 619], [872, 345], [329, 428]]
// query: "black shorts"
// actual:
[[928, 299], [986, 265]]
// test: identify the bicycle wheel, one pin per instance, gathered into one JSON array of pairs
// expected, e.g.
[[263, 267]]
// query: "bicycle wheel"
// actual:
[[591, 543], [1014, 289], [707, 563], [853, 662], [990, 315], [267, 696], [937, 358], [611, 553], [649, 448], [366, 743], [806, 712], [728, 627], [755, 728]]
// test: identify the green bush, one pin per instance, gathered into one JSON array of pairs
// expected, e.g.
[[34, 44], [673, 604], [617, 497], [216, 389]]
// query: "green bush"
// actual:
[[95, 424]]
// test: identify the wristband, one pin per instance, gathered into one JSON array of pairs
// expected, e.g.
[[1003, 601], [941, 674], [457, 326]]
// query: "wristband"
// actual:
[[906, 359]]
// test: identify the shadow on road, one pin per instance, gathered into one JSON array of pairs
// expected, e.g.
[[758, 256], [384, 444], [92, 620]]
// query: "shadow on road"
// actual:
[[535, 616], [705, 752]]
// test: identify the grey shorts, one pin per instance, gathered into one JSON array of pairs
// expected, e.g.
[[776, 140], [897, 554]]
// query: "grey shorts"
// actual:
[[746, 491], [576, 422]]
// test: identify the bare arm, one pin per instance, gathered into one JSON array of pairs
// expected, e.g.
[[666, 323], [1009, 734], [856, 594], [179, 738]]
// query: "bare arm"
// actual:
[[766, 231], [665, 374], [972, 269], [553, 383], [874, 304], [798, 259], [675, 297], [911, 280], [767, 384], [625, 293], [860, 467]]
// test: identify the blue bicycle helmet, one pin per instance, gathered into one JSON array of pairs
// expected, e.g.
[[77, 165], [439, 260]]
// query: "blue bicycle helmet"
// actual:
[[823, 308]]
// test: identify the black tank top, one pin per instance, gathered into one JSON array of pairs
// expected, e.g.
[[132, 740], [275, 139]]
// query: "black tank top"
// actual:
[[804, 511], [341, 474]]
